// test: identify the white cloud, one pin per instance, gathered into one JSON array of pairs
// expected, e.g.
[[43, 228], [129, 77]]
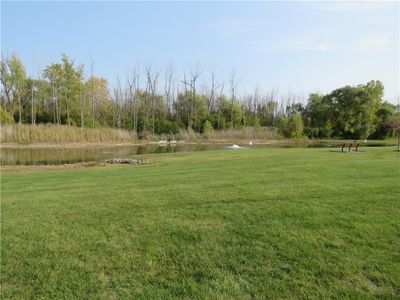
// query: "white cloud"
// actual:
[[354, 6], [371, 43], [232, 27], [294, 44]]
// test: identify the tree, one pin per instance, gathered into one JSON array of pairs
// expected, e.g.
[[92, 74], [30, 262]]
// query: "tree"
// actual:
[[66, 85], [7, 81], [292, 126], [355, 109], [233, 86], [318, 116], [5, 117], [152, 87], [393, 127], [103, 101], [14, 77], [385, 113]]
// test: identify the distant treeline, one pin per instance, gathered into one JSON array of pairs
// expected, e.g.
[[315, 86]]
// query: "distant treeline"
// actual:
[[153, 102]]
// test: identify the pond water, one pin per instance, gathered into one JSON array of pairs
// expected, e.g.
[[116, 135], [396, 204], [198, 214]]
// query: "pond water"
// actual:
[[51, 156]]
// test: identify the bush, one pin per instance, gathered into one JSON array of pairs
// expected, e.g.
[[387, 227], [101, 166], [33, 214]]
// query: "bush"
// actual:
[[207, 127], [166, 126], [5, 117], [291, 127]]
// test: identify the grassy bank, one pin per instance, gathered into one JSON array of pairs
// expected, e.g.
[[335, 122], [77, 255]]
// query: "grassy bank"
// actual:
[[26, 134], [278, 223]]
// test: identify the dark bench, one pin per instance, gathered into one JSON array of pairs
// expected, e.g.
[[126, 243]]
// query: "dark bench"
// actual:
[[351, 144]]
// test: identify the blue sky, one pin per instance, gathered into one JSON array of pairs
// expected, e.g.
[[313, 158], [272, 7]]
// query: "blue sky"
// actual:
[[292, 47]]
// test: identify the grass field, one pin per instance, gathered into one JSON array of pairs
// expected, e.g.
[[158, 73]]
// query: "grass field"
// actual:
[[259, 223]]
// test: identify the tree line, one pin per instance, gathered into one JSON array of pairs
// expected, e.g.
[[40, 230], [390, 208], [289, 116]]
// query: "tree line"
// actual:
[[149, 101]]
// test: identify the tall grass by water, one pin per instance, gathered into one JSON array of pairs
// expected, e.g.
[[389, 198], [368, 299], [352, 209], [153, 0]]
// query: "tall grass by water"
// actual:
[[25, 134]]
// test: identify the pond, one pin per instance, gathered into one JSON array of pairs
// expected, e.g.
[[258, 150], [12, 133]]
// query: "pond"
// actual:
[[58, 156]]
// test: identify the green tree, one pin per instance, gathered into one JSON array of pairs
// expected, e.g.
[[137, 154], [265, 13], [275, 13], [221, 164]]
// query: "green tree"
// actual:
[[184, 107], [355, 109], [385, 112], [13, 79], [5, 117], [292, 126], [207, 127]]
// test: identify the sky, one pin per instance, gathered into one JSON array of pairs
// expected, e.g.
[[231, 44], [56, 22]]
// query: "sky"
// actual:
[[292, 47]]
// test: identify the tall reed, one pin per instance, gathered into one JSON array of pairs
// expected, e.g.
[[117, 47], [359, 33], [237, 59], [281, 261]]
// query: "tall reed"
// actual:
[[25, 134]]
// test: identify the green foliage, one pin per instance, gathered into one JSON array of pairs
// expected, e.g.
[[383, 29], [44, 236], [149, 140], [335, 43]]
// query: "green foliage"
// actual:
[[166, 126], [207, 127], [63, 96], [5, 117], [291, 127], [385, 113], [192, 110], [349, 112]]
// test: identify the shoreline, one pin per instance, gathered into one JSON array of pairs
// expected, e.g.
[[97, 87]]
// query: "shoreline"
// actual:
[[9, 145]]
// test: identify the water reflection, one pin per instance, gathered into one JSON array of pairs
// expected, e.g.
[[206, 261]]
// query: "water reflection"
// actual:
[[49, 156]]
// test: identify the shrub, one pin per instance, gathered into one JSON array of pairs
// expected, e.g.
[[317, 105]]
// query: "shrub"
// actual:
[[207, 127], [5, 117]]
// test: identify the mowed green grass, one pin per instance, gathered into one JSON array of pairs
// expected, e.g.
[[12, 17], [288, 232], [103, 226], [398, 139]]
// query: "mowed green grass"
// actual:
[[258, 223]]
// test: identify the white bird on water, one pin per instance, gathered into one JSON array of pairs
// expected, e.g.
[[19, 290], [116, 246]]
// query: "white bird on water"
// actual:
[[251, 143], [235, 146]]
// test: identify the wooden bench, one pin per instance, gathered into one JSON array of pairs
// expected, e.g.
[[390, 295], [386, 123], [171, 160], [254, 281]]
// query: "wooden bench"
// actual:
[[351, 144]]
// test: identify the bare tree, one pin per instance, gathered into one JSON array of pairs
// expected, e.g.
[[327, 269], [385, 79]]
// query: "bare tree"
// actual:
[[256, 101], [152, 85], [233, 87], [221, 93], [91, 72], [118, 95], [212, 92], [195, 74], [32, 104], [133, 88], [168, 89], [82, 104]]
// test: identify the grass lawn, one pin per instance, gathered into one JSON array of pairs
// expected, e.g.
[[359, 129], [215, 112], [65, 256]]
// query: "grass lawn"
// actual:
[[257, 223]]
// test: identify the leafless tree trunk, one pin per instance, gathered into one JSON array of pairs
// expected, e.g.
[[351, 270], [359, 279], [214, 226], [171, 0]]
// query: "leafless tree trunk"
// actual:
[[210, 104], [81, 106], [19, 102], [192, 84], [118, 103], [91, 71], [221, 92], [168, 90], [233, 85], [32, 106], [133, 98], [152, 84], [255, 109], [67, 105]]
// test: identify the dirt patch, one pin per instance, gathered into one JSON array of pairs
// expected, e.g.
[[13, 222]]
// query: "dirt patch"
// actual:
[[40, 168]]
